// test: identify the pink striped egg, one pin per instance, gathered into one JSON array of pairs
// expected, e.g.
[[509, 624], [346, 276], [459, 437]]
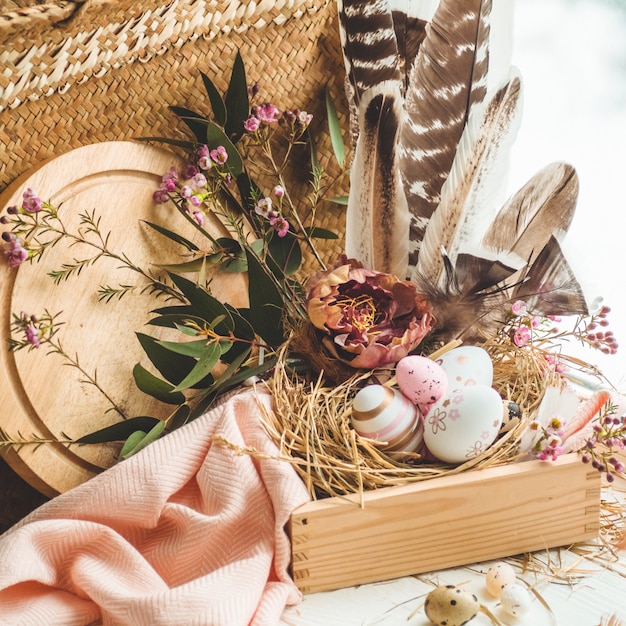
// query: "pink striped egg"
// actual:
[[385, 415]]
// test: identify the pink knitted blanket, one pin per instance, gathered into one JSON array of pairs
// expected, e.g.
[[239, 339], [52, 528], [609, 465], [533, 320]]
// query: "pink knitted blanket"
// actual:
[[186, 532]]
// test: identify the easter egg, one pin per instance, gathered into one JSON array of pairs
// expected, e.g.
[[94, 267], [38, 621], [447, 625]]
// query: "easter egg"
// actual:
[[515, 600], [451, 605], [385, 415], [498, 577], [463, 424], [466, 366], [421, 380]]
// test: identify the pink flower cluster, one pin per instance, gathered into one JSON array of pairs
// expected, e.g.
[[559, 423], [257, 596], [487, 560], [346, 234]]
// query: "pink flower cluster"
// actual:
[[14, 249], [191, 185], [267, 114], [264, 208]]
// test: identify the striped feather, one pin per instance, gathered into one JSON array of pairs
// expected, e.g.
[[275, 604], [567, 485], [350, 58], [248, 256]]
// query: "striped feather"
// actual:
[[447, 80], [460, 216], [550, 287], [377, 217], [543, 207]]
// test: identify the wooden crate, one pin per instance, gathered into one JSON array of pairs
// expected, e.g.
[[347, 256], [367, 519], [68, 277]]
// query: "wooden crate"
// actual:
[[444, 522]]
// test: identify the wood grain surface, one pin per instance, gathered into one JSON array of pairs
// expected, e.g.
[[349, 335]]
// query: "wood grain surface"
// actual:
[[444, 522], [41, 396]]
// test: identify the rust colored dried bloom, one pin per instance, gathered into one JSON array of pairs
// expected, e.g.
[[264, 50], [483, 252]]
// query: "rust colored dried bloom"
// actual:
[[369, 318]]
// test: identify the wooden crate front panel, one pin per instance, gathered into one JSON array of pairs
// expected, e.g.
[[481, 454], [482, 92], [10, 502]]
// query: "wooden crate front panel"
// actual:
[[444, 522]]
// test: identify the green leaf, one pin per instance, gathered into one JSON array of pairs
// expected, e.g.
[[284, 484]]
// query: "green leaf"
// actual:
[[286, 253], [217, 103], [120, 430], [135, 443], [204, 304], [320, 233], [232, 377], [177, 318], [237, 101], [243, 330], [266, 303], [343, 200], [188, 266], [132, 441], [180, 417], [194, 121], [203, 367], [334, 128], [188, 348], [215, 137], [155, 387], [173, 367], [173, 236], [185, 330]]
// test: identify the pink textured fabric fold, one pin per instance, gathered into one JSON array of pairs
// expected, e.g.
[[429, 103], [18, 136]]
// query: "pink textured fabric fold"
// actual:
[[186, 532]]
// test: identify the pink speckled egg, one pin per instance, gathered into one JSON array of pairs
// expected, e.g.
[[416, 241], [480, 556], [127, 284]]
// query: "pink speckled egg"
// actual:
[[385, 415], [421, 380]]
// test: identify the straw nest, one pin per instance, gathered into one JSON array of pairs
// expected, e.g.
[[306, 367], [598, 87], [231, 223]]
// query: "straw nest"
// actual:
[[311, 425]]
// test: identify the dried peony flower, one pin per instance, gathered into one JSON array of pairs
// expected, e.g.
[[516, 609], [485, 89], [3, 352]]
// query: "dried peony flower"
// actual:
[[370, 318]]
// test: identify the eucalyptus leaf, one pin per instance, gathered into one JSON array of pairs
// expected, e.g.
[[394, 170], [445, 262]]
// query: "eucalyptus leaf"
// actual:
[[120, 430], [173, 236], [191, 266], [232, 377], [131, 443], [204, 304], [320, 233], [286, 253], [217, 103], [188, 348], [266, 303], [202, 368], [334, 129], [177, 320], [155, 387], [137, 444], [173, 367], [237, 100], [194, 121]]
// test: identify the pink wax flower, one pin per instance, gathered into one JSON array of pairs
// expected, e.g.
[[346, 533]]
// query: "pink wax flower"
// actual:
[[31, 203], [219, 155], [267, 113], [14, 250], [280, 225], [252, 124]]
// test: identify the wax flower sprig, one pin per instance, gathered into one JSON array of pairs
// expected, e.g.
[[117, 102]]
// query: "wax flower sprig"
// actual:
[[547, 334], [608, 440]]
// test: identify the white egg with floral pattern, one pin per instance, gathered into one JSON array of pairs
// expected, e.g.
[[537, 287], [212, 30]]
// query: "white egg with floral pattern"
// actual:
[[463, 423]]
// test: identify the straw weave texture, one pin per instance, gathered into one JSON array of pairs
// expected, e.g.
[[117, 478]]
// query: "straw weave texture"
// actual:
[[78, 73]]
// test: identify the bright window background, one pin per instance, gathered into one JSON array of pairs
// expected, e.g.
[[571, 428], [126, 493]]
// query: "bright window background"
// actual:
[[572, 57]]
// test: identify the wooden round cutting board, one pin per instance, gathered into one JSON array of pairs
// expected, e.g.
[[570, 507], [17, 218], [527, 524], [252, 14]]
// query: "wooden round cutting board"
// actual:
[[40, 396]]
